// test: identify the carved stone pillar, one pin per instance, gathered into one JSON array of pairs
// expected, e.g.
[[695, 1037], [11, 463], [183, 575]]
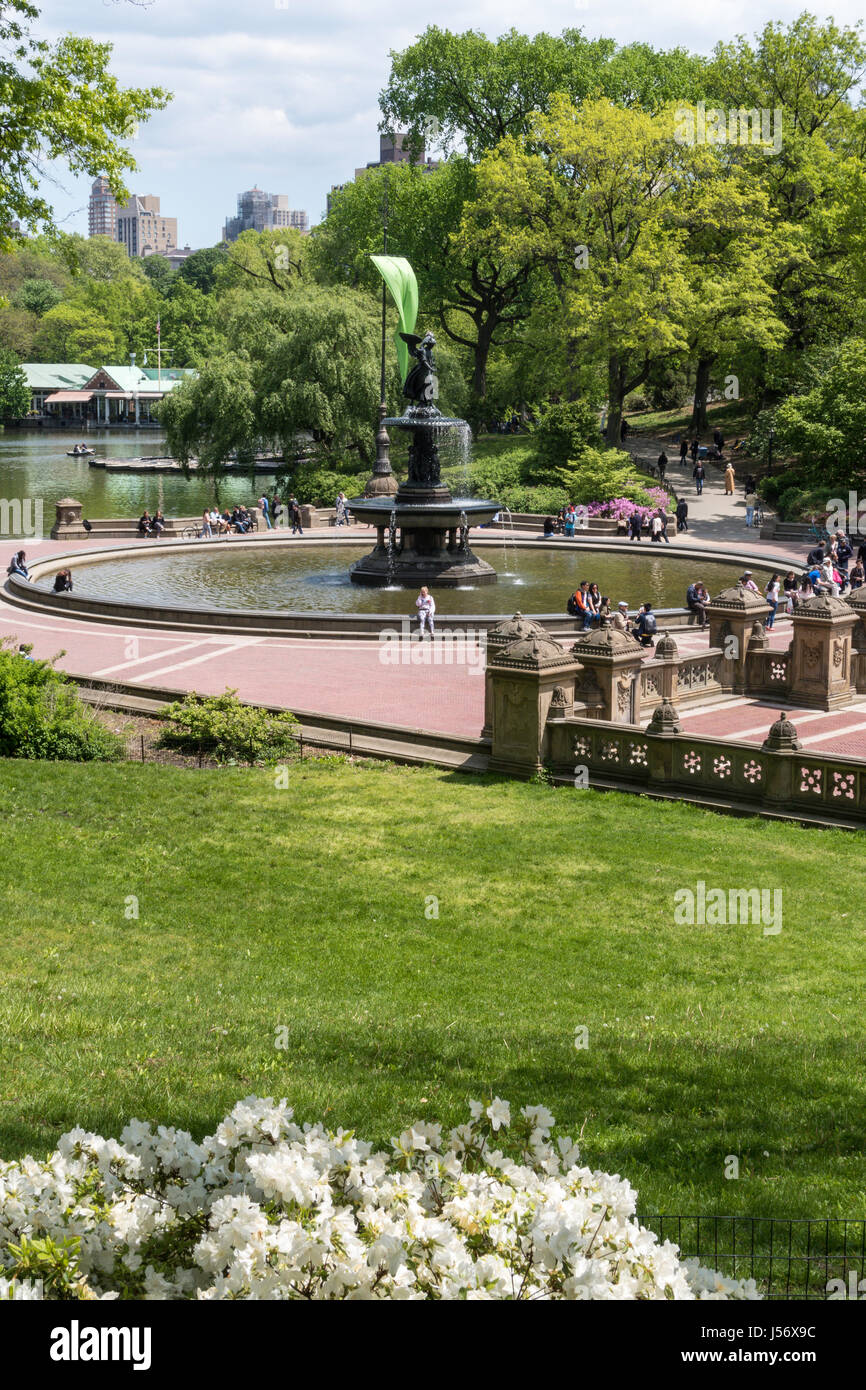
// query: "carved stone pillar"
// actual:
[[610, 663], [498, 638], [662, 729], [732, 615], [821, 666], [524, 677], [783, 743], [67, 520]]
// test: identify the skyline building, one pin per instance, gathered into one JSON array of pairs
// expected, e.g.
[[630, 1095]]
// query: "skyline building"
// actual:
[[101, 210], [263, 212], [143, 229], [392, 150]]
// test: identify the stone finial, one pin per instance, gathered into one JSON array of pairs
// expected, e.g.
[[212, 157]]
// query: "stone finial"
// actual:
[[605, 641], [782, 736], [534, 651], [738, 598], [666, 648], [823, 606], [758, 639], [560, 703], [665, 719], [512, 629]]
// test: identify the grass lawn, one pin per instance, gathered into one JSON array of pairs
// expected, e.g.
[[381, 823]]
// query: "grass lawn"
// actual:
[[305, 907]]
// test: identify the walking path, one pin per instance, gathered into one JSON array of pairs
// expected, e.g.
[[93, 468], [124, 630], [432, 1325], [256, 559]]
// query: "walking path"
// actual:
[[352, 679]]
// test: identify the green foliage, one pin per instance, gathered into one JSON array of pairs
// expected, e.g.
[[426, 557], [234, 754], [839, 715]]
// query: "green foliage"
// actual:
[[54, 1264], [564, 431], [38, 296], [600, 475], [159, 272], [319, 486], [304, 361], [73, 333], [61, 103], [232, 731], [826, 426], [41, 715], [14, 391], [202, 268]]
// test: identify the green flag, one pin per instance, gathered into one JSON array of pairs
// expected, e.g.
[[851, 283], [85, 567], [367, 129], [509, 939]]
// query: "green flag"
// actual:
[[400, 279]]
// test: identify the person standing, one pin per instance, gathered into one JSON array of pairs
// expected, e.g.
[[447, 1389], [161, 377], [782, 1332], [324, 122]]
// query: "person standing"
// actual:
[[718, 439], [620, 617], [205, 531], [682, 514], [729, 479], [295, 514], [634, 525], [426, 606], [684, 448], [771, 594], [662, 465], [656, 526], [751, 500], [341, 509], [276, 509], [698, 473], [265, 509], [694, 448]]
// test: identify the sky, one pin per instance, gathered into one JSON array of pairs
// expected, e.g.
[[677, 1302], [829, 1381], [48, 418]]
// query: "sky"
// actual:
[[283, 94]]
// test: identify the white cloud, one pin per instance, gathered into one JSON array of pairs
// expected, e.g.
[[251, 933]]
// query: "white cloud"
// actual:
[[287, 97]]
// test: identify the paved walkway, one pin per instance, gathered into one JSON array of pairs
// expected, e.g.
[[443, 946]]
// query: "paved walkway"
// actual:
[[351, 679]]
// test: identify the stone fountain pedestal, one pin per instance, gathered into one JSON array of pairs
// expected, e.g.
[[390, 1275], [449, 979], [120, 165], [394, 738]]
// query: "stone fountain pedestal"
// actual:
[[422, 534]]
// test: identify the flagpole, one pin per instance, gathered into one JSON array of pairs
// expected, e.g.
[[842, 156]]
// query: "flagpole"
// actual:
[[158, 355]]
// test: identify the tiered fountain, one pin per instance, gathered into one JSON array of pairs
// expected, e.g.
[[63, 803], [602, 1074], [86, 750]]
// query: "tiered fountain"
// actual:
[[422, 533]]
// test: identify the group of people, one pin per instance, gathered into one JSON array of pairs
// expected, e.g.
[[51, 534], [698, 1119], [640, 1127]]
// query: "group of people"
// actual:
[[272, 510], [214, 522], [18, 565], [829, 567], [151, 526]]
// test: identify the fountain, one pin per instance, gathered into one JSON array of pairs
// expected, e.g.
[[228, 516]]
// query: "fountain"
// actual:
[[422, 533]]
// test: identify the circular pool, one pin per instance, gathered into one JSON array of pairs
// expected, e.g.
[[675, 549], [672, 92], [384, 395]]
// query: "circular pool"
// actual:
[[313, 578]]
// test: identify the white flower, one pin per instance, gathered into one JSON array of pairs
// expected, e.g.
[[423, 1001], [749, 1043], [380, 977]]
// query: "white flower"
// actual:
[[498, 1113]]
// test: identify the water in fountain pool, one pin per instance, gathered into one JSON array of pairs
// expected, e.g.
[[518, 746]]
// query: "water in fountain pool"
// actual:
[[313, 578]]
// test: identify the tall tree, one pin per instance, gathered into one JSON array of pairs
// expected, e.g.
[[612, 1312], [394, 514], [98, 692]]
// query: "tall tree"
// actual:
[[59, 101], [476, 298], [595, 207], [472, 91]]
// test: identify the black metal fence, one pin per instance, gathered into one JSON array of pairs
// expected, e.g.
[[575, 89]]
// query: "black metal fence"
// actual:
[[798, 1259]]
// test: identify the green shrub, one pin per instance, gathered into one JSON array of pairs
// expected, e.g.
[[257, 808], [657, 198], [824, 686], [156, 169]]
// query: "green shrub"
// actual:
[[227, 728], [41, 715], [563, 432], [534, 499], [319, 486], [599, 475]]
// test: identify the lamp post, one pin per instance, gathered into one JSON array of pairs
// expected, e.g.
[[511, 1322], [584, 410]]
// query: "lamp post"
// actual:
[[382, 483]]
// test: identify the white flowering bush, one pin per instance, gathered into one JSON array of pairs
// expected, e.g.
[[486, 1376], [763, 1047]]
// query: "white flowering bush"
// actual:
[[267, 1208]]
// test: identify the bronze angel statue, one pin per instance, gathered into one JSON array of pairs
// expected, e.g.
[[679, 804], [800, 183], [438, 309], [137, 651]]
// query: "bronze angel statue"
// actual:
[[420, 381]]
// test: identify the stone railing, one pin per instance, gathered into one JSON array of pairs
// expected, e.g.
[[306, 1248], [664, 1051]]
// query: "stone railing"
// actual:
[[688, 680], [777, 778], [769, 673]]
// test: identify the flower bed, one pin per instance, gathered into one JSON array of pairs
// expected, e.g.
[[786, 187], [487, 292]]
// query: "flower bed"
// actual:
[[621, 508], [266, 1208]]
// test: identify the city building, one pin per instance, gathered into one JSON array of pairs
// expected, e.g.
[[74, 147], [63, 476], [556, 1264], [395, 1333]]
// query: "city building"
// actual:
[[101, 210], [264, 212], [143, 229], [178, 254], [392, 150]]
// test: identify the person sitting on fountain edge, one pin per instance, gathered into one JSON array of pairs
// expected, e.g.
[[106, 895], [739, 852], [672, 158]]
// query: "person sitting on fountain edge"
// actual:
[[426, 605]]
